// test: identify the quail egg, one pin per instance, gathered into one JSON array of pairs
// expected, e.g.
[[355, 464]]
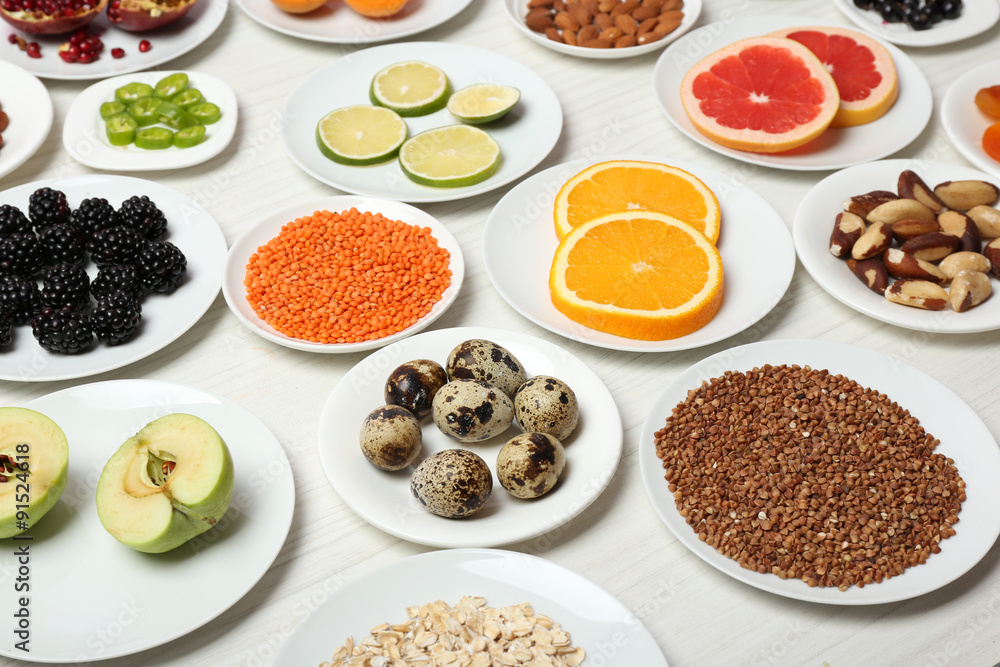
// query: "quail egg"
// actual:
[[412, 385], [390, 437], [545, 404], [472, 410], [484, 360], [453, 483], [530, 464]]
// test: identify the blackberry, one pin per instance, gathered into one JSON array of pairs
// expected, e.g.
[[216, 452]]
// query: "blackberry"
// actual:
[[66, 286], [20, 298], [142, 215], [116, 318], [117, 278], [22, 254], [47, 207], [63, 243], [93, 215], [115, 245], [62, 330], [161, 266], [12, 221], [5, 325]]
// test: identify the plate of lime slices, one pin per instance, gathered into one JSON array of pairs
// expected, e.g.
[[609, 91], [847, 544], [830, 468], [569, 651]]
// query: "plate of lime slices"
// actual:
[[435, 148]]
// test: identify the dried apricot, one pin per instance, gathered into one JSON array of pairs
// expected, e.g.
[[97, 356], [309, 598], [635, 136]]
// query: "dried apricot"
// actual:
[[299, 6], [991, 141], [988, 101], [376, 8]]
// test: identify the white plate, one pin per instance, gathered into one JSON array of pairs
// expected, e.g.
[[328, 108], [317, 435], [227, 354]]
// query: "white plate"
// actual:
[[962, 119], [591, 615], [28, 106], [258, 235], [167, 43], [519, 241], [516, 10], [93, 598], [526, 134], [977, 17], [383, 498], [964, 438], [164, 316], [85, 138], [336, 23], [838, 146], [814, 222]]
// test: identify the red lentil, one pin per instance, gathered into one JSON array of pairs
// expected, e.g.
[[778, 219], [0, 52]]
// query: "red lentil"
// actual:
[[346, 277]]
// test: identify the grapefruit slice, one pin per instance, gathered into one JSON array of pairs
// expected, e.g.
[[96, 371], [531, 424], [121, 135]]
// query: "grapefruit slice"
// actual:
[[861, 67], [761, 94]]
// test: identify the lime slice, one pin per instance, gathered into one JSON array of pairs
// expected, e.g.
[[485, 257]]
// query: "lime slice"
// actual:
[[411, 88], [361, 135], [450, 157], [483, 102]]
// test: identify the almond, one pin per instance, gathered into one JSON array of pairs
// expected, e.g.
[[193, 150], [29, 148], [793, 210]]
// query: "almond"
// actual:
[[565, 21], [626, 41], [539, 19], [587, 33], [626, 24]]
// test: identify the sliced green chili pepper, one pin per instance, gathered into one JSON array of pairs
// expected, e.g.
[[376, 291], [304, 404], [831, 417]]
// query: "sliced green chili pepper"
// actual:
[[145, 111], [170, 85], [131, 92], [188, 98], [109, 109], [120, 129], [154, 138], [206, 112], [189, 136]]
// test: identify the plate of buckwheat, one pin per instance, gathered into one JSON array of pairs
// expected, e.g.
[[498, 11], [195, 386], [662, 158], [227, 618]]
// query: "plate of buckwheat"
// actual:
[[822, 472]]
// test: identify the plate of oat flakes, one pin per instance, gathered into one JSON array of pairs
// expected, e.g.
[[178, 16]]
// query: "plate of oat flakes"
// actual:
[[513, 603], [799, 502]]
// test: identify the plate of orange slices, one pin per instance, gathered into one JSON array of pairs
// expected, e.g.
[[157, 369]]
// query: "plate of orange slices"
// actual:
[[626, 225]]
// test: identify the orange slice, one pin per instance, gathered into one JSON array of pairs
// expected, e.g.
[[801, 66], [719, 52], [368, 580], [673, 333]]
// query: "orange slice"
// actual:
[[762, 94], [861, 67], [639, 275], [629, 185]]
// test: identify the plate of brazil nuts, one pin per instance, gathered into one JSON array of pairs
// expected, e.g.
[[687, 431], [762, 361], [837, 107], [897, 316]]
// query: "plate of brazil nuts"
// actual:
[[478, 586], [932, 298], [384, 498], [593, 29], [804, 488]]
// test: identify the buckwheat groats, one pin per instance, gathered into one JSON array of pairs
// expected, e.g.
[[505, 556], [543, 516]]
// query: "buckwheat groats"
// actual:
[[806, 474]]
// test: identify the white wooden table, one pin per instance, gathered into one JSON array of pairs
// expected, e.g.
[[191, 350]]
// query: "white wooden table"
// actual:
[[698, 616]]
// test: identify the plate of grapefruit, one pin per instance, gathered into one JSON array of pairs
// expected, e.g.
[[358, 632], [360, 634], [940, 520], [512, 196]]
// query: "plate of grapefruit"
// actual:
[[839, 98]]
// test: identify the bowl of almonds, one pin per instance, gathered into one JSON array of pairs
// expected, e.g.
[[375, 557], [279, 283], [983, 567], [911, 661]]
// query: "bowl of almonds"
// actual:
[[603, 28]]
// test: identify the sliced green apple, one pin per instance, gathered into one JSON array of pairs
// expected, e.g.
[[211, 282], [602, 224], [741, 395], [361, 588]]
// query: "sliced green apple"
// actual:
[[166, 484], [34, 461]]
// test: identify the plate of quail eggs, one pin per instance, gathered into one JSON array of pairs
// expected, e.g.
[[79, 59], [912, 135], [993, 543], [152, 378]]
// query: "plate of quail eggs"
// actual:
[[469, 437]]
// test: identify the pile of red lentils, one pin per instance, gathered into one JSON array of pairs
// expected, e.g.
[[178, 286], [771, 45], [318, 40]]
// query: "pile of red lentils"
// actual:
[[346, 277], [805, 474]]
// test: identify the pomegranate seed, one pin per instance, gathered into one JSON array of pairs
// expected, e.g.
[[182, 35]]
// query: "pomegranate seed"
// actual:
[[85, 58], [12, 38], [33, 50], [67, 56], [117, 52], [144, 46]]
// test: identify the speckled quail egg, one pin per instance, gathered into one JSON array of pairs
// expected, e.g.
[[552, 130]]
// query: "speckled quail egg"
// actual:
[[472, 410], [530, 464], [484, 360], [390, 437], [545, 404], [453, 483], [412, 385]]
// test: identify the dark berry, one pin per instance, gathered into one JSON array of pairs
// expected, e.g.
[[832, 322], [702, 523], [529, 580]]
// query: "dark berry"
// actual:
[[93, 215], [47, 207], [117, 278], [22, 254], [5, 328], [20, 298], [142, 215], [63, 244], [62, 330], [161, 266], [115, 318], [66, 286], [115, 245], [13, 221]]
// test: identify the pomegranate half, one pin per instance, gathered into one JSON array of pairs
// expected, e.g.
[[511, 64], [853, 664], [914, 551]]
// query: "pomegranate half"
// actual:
[[50, 17], [143, 15]]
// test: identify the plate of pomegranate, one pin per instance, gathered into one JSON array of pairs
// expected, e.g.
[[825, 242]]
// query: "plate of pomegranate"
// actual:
[[922, 22], [76, 39], [25, 116], [351, 21]]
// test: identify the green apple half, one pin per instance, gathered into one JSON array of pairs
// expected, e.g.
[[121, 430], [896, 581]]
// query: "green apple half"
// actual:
[[28, 491], [166, 484]]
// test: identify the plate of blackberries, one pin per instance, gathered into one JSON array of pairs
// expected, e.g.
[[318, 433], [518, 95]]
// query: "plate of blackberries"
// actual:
[[97, 272], [922, 22]]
